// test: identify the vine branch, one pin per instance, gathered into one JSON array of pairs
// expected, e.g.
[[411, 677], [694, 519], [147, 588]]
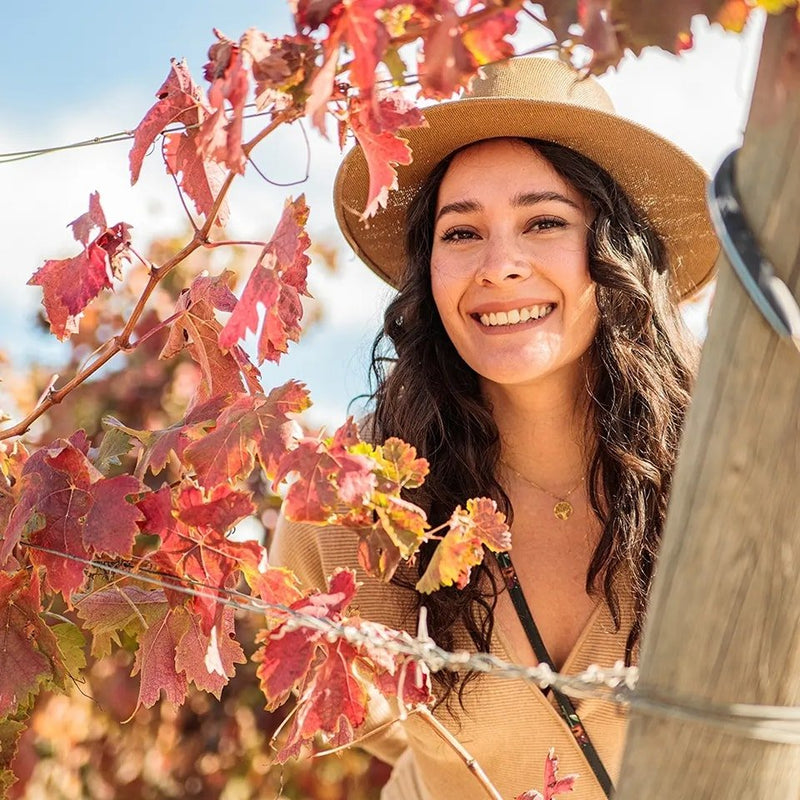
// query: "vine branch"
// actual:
[[121, 342]]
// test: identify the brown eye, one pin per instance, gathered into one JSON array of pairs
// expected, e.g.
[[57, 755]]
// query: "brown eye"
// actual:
[[457, 235], [546, 223]]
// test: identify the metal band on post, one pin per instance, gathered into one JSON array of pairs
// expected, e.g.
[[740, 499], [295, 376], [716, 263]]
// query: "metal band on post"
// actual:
[[770, 294]]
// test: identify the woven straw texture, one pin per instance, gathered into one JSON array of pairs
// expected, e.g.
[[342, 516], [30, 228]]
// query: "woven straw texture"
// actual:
[[543, 99]]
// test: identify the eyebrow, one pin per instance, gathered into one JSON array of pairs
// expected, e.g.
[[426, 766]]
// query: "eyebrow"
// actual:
[[518, 201]]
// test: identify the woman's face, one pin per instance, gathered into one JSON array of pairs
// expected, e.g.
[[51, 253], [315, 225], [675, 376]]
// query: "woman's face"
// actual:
[[509, 265]]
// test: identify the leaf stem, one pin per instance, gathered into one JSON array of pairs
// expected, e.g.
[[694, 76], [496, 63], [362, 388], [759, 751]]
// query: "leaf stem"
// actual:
[[233, 243], [472, 765]]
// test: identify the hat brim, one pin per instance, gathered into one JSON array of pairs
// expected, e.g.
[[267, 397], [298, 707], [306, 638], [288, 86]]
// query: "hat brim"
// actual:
[[662, 181]]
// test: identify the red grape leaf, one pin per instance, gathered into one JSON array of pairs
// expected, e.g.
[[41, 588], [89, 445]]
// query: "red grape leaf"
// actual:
[[313, 13], [553, 785], [28, 649], [485, 522], [286, 655], [284, 661], [274, 585], [290, 242], [347, 482], [179, 100], [279, 66], [70, 284], [220, 137], [250, 428], [487, 41], [329, 481], [157, 510], [599, 34], [332, 676], [56, 480], [111, 524], [85, 223], [321, 90], [408, 680], [200, 178], [155, 657], [361, 29], [395, 675], [220, 510], [462, 546], [356, 25], [276, 282], [560, 16], [208, 659], [116, 609], [445, 64], [333, 702], [13, 456], [115, 243], [376, 132], [640, 23], [203, 556], [196, 330], [157, 445], [67, 505]]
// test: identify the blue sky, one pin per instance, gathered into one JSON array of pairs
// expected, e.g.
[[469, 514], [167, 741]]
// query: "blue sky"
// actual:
[[77, 70], [64, 53]]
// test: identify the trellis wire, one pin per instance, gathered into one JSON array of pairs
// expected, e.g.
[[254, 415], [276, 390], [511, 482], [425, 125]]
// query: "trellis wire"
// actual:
[[618, 684]]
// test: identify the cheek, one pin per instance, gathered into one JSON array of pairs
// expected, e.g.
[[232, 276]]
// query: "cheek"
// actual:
[[588, 313], [446, 290]]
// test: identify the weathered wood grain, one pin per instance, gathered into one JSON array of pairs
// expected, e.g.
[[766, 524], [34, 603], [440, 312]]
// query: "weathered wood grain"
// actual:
[[724, 620]]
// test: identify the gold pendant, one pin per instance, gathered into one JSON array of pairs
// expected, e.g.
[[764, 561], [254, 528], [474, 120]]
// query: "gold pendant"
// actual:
[[563, 509]]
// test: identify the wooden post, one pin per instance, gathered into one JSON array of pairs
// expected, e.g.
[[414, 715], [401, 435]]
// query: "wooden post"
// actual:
[[724, 620]]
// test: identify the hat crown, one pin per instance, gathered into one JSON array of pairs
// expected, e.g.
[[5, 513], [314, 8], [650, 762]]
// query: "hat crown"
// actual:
[[541, 79]]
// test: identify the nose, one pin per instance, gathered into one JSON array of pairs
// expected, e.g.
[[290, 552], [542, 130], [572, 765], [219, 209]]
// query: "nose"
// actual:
[[503, 260]]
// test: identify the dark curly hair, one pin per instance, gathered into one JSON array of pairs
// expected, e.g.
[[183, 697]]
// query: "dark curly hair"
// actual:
[[643, 361]]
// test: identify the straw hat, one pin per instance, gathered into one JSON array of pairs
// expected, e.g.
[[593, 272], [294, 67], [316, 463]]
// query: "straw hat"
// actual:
[[542, 99]]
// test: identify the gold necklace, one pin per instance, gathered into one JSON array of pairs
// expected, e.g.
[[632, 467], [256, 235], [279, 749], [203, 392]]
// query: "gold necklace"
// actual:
[[563, 508]]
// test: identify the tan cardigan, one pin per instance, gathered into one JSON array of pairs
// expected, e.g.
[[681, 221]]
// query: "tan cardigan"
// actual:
[[508, 726]]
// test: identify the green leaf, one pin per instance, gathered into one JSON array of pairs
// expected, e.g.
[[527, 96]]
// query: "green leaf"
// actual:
[[71, 644], [396, 67], [10, 731], [116, 443]]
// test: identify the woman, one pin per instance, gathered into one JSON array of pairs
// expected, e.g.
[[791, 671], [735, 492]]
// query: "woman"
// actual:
[[540, 361]]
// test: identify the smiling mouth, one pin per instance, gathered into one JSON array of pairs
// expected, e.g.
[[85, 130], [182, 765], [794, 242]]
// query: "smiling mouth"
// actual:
[[515, 316]]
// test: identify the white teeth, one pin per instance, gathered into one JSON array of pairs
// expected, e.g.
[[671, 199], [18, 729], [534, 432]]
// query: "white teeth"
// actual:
[[516, 315]]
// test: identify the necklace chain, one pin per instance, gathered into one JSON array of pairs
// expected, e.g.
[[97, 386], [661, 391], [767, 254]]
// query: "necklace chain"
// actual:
[[563, 508]]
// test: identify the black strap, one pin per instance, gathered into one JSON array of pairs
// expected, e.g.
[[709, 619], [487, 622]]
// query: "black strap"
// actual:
[[565, 704]]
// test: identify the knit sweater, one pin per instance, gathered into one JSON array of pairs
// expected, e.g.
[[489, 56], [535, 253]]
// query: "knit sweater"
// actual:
[[506, 725]]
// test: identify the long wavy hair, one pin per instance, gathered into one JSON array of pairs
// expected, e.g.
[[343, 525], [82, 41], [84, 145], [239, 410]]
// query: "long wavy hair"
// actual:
[[643, 364]]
